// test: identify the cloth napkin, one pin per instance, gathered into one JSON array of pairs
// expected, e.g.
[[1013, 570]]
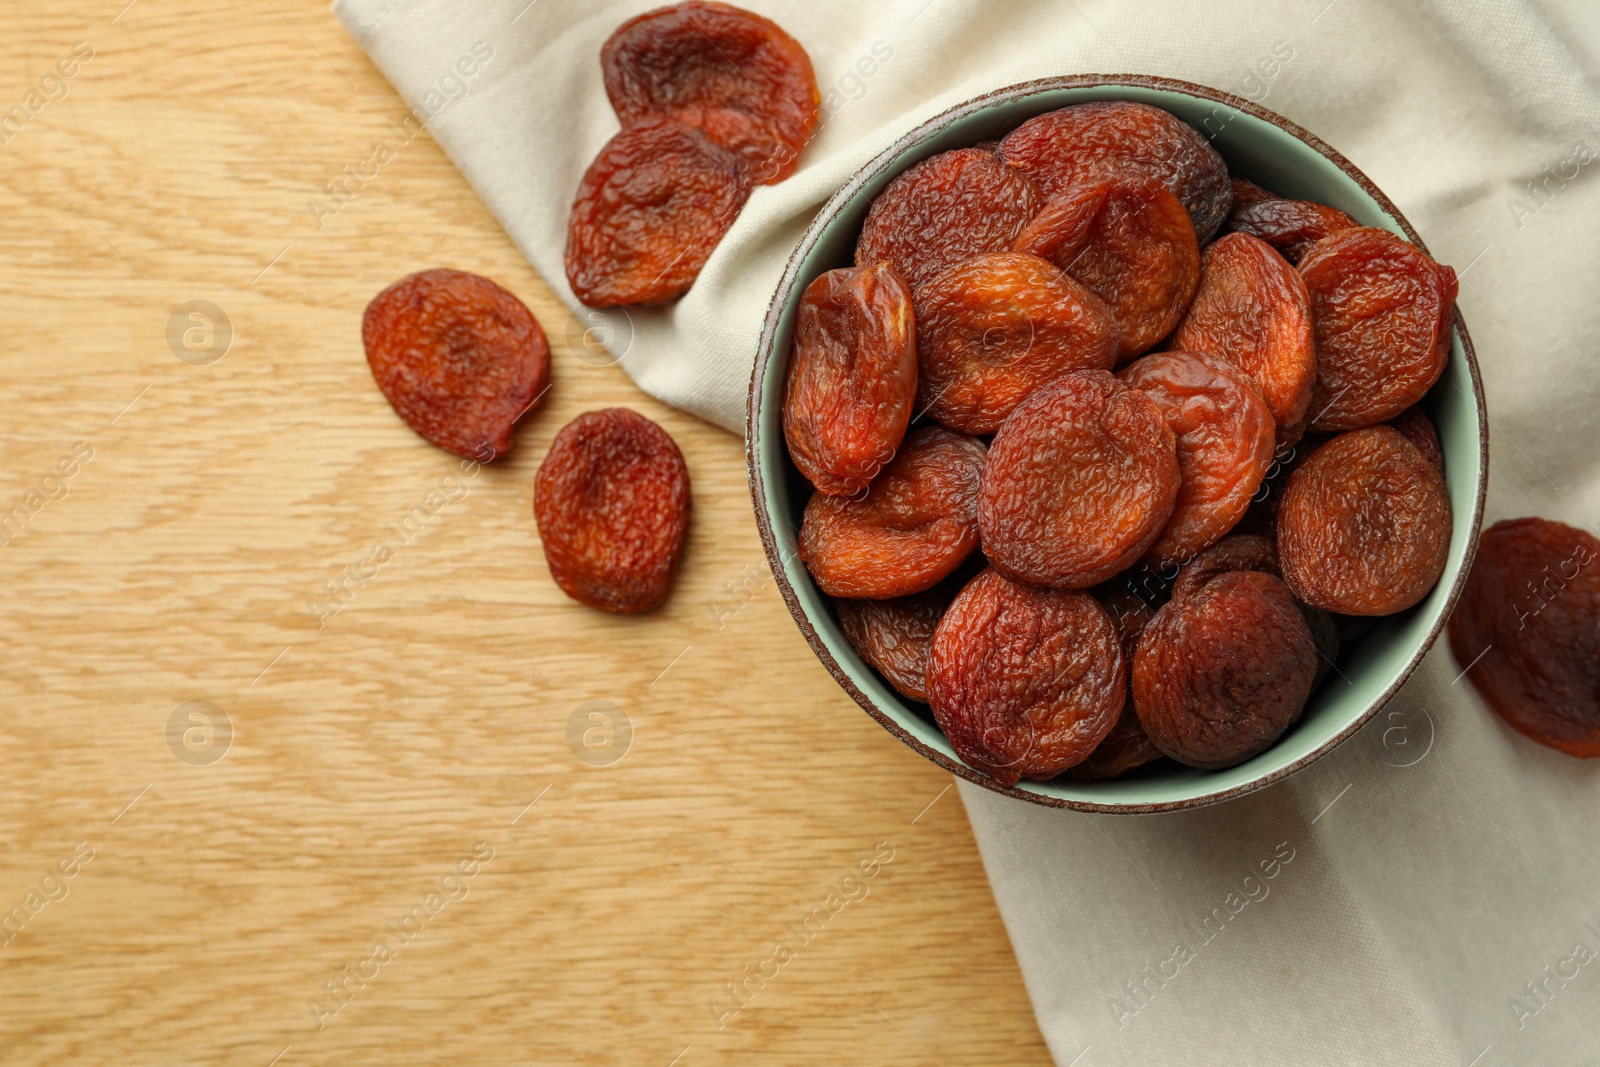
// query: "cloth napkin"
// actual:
[[1426, 894]]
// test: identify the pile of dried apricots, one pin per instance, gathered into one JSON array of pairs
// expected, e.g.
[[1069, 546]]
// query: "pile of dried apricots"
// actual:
[[1075, 363]]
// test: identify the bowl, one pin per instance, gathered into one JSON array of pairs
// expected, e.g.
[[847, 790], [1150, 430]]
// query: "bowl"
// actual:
[[1265, 148]]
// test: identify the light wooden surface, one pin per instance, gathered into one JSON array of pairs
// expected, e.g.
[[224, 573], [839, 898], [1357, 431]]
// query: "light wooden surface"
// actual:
[[371, 754]]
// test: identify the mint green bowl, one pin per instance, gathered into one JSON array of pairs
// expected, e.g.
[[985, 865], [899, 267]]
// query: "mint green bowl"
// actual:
[[1268, 150]]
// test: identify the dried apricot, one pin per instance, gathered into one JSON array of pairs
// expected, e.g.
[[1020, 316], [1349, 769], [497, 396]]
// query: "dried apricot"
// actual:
[[649, 213], [1024, 682], [612, 503], [1262, 516], [1527, 631], [1061, 148], [459, 358], [1079, 483], [1129, 240], [852, 377], [1420, 431], [943, 210], [1126, 746], [992, 329], [915, 525], [1383, 313], [726, 71], [1241, 552], [1224, 434], [894, 635], [1252, 310], [1364, 527], [1290, 226], [1220, 675]]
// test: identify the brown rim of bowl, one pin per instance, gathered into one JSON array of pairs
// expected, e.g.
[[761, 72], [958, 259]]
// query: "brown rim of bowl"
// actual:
[[786, 284]]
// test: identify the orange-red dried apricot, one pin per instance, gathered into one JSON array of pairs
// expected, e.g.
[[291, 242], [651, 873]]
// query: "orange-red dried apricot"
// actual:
[[458, 357], [1126, 746], [1024, 682], [1079, 483], [1290, 226], [612, 503], [1241, 552], [852, 377], [726, 71], [1224, 434], [1383, 313], [894, 635], [649, 213], [1527, 631], [994, 328], [1364, 527], [915, 525], [943, 210], [1420, 431], [1129, 240], [1252, 309], [1061, 148], [1221, 674]]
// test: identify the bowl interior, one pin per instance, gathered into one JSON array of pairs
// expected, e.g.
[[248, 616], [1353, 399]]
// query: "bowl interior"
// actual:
[[1255, 148]]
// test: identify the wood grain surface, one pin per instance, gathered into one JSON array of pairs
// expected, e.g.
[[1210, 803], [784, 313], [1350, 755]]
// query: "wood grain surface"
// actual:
[[419, 769]]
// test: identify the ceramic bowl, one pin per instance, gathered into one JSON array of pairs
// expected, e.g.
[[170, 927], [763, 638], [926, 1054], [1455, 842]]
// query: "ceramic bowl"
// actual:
[[1268, 150]]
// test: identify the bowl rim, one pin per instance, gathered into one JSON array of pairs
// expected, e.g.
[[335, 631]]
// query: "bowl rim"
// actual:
[[765, 354]]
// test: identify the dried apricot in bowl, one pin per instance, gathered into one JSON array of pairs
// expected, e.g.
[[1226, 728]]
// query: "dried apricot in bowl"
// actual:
[[1364, 526], [1079, 483], [916, 524], [894, 635], [1527, 631], [459, 358], [1383, 313], [648, 214], [994, 328], [1290, 226], [612, 503], [852, 377], [729, 72], [1024, 682], [1127, 746], [1221, 674]]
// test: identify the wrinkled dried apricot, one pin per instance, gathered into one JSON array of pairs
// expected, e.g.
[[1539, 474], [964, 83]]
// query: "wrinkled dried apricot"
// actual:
[[1061, 148], [994, 328], [649, 213], [459, 358], [1527, 631], [1024, 682], [1364, 527], [1290, 226], [1420, 431], [943, 210], [894, 635], [915, 525], [1241, 552], [612, 503], [726, 71], [1220, 675], [1224, 433], [852, 377], [1126, 746], [1252, 310], [1129, 240], [1079, 483], [1383, 313]]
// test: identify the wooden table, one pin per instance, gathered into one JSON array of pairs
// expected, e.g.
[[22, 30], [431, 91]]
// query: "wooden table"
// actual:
[[191, 897]]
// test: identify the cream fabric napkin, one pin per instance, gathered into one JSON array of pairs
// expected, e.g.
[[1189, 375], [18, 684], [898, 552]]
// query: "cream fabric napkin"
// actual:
[[1428, 893]]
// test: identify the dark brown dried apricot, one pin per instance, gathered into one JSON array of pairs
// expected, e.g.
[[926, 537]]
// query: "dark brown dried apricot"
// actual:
[[1061, 148], [1527, 631], [1364, 527], [1290, 226], [1252, 310], [1220, 675], [459, 358], [1024, 682], [1262, 517], [994, 328], [852, 377], [612, 503], [1241, 552], [1224, 433], [943, 210], [1126, 746], [915, 525], [1129, 240], [649, 213], [1384, 313], [1420, 431], [894, 635], [1079, 483], [726, 71]]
